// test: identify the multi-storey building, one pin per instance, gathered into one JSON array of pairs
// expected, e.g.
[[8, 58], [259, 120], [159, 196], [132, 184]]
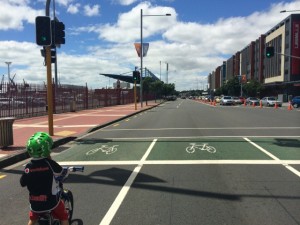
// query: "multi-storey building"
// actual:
[[280, 74]]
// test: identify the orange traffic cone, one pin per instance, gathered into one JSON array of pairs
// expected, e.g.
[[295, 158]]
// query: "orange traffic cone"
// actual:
[[290, 107], [253, 104], [276, 106], [260, 104]]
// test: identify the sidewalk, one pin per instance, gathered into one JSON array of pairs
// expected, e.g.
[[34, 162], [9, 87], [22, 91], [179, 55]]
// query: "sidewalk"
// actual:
[[67, 127]]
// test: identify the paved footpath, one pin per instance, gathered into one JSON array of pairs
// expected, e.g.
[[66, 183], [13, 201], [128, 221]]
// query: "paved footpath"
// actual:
[[66, 126]]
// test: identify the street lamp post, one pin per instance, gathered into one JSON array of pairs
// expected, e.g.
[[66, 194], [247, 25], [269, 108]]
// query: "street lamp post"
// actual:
[[284, 11], [142, 54], [167, 73], [8, 71]]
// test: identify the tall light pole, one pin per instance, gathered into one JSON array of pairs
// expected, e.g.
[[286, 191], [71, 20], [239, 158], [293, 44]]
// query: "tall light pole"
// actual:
[[284, 11], [167, 73], [8, 71], [160, 70], [142, 53]]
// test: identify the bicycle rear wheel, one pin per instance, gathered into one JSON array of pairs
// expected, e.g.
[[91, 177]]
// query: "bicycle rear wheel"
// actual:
[[69, 203]]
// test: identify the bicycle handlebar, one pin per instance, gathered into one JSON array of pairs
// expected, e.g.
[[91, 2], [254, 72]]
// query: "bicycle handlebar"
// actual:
[[74, 168]]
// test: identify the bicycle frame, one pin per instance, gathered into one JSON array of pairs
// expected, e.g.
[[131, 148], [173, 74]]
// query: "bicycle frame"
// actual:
[[65, 195]]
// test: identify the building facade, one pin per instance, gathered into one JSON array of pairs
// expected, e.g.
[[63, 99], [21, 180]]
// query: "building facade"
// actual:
[[280, 74]]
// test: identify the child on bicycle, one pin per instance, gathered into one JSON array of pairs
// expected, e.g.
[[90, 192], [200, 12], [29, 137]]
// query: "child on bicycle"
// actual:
[[39, 177]]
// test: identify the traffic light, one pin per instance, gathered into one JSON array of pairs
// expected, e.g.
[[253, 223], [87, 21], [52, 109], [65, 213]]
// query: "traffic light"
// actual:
[[269, 51], [43, 30], [136, 76], [58, 32], [53, 54]]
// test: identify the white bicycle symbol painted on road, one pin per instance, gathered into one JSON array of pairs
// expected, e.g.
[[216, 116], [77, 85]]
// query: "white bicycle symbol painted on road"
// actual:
[[203, 147], [105, 149]]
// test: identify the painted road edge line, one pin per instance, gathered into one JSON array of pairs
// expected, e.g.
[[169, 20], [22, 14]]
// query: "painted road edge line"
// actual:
[[122, 194], [290, 168]]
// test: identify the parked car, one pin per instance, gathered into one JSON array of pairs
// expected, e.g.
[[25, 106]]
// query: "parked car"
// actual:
[[296, 101], [252, 100], [217, 99], [242, 99], [270, 101], [226, 100], [237, 100], [5, 103]]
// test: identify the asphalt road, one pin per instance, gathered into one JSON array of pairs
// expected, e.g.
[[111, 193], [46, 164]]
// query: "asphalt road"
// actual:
[[158, 168]]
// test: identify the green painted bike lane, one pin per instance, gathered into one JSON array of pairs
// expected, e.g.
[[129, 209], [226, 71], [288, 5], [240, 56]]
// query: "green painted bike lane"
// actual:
[[184, 149]]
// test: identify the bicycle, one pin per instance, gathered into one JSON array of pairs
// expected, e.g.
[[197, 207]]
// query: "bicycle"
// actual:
[[66, 195], [103, 148], [202, 147]]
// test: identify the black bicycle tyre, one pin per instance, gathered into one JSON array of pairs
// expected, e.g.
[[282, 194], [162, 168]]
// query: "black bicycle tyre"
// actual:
[[69, 201]]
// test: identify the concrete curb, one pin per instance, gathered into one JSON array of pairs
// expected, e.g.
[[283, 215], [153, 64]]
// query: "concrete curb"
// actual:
[[12, 159]]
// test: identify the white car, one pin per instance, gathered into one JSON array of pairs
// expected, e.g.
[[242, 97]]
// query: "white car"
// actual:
[[270, 101]]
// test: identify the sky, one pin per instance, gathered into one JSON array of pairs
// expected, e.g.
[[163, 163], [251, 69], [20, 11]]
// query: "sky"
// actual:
[[100, 36]]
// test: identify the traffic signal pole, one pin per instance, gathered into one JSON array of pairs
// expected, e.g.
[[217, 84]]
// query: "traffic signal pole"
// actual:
[[49, 81], [135, 106], [49, 91]]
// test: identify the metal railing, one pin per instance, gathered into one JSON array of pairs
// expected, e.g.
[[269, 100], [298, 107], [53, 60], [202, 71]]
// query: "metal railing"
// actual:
[[30, 100]]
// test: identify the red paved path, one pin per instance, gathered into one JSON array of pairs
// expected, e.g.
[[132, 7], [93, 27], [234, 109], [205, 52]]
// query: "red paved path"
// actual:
[[70, 124]]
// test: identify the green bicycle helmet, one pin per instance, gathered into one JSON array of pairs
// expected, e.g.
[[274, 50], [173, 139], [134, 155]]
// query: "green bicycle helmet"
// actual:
[[39, 145]]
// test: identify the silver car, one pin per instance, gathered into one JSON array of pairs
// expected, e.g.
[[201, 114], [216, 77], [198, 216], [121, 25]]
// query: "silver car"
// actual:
[[270, 101], [252, 101], [226, 100]]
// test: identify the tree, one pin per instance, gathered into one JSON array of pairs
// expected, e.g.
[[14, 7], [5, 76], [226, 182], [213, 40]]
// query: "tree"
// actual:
[[168, 89], [146, 87], [156, 87], [252, 88]]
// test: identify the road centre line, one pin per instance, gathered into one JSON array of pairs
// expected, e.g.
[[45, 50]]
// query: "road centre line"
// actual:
[[122, 194], [290, 168]]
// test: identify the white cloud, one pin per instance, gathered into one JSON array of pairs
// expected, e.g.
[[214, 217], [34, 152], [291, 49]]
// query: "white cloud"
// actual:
[[13, 14], [73, 8], [192, 49], [91, 10], [63, 2], [126, 2]]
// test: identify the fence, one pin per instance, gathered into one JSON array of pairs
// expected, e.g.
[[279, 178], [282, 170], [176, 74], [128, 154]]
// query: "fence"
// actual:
[[29, 100]]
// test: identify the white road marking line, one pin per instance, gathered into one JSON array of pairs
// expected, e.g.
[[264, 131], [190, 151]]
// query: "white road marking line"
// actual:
[[193, 137], [209, 128], [118, 201], [55, 126], [182, 162], [290, 168]]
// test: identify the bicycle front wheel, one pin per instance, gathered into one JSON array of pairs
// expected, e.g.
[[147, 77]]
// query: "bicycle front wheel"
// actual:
[[211, 149], [69, 203]]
